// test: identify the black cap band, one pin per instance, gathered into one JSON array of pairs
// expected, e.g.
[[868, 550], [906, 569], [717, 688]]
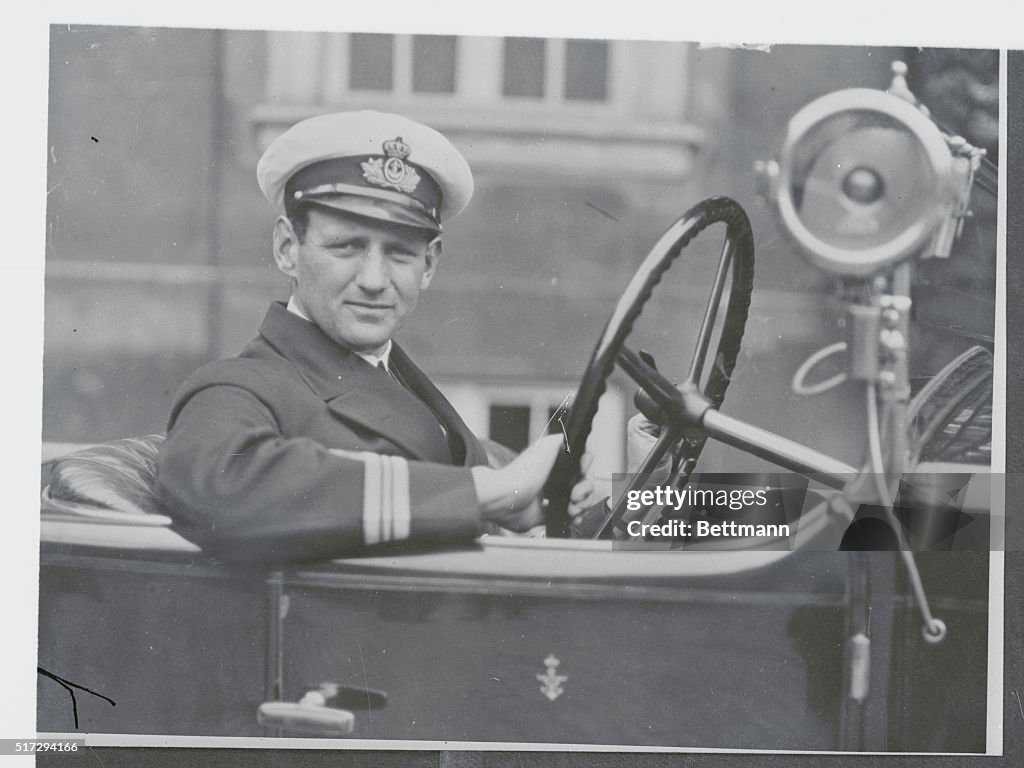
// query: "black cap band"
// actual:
[[389, 179]]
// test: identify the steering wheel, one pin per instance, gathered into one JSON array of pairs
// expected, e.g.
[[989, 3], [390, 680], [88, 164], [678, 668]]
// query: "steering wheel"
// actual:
[[680, 410]]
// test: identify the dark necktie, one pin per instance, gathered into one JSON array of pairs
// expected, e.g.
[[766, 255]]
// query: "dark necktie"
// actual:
[[387, 371], [455, 444]]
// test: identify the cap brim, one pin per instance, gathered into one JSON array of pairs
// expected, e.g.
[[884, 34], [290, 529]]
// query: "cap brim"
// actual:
[[380, 210]]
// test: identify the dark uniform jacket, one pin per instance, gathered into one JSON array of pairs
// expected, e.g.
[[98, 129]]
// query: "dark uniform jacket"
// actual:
[[299, 449]]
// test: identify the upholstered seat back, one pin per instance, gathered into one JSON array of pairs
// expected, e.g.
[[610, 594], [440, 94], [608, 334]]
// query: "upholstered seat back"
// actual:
[[113, 481]]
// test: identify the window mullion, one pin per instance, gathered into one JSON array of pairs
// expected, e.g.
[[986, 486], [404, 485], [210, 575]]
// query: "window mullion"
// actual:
[[538, 415], [335, 75], [292, 67], [554, 71], [478, 68], [621, 74], [403, 65]]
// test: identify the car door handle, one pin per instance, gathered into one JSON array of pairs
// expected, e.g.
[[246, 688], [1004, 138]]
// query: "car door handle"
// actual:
[[311, 715], [351, 697]]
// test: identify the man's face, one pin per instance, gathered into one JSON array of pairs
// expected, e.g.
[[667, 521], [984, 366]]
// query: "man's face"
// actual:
[[355, 278]]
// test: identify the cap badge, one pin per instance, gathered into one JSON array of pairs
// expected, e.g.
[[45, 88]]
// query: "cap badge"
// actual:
[[392, 172]]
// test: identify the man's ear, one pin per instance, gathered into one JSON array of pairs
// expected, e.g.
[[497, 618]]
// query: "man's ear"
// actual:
[[432, 259], [286, 246]]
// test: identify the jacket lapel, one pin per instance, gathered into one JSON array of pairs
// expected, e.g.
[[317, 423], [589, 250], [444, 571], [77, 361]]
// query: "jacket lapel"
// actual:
[[359, 394], [374, 400], [472, 451]]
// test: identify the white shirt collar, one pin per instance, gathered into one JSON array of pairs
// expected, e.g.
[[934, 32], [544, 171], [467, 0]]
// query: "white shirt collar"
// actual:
[[382, 356]]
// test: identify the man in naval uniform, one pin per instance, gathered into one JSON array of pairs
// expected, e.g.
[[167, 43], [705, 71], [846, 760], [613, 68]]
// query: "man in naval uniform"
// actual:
[[322, 438]]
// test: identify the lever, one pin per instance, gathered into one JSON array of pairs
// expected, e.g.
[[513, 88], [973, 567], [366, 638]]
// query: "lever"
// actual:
[[310, 715], [350, 697], [643, 401]]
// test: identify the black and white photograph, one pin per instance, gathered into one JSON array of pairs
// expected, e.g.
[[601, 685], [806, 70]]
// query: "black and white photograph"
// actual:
[[417, 391]]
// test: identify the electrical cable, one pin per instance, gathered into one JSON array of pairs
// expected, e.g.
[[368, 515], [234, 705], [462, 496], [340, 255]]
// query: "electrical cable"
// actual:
[[934, 630], [798, 382]]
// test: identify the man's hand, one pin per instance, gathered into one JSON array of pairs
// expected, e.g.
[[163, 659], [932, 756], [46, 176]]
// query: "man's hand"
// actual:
[[587, 491], [506, 494]]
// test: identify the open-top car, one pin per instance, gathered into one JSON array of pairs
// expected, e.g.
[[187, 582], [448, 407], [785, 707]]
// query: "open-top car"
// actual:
[[849, 610]]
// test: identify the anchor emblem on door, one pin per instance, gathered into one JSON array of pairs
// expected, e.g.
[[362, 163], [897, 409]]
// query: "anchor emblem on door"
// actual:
[[551, 681]]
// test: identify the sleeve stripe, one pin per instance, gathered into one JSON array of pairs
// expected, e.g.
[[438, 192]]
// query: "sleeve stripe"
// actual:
[[387, 510], [372, 498], [400, 498], [386, 496]]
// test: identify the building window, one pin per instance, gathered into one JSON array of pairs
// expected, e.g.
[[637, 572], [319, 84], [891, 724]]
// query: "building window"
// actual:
[[402, 64], [517, 421], [586, 70], [510, 425], [516, 426], [433, 63], [518, 415], [524, 67], [371, 62], [556, 70], [505, 73]]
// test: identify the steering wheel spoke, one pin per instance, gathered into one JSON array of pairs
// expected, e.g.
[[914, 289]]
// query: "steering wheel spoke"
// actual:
[[667, 440], [707, 326], [658, 398], [640, 368]]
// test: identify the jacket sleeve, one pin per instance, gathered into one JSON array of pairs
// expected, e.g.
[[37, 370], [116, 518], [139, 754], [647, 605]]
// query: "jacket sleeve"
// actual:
[[243, 492]]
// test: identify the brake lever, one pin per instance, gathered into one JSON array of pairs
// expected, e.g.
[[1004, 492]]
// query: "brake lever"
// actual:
[[643, 401]]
